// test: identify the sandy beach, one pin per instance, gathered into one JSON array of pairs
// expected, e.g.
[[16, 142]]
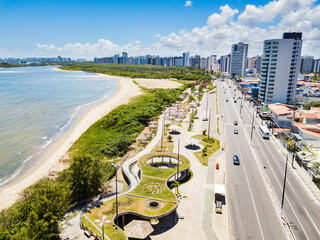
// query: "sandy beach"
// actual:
[[51, 161]]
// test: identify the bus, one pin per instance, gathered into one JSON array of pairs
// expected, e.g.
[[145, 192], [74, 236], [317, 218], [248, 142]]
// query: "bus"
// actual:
[[264, 132]]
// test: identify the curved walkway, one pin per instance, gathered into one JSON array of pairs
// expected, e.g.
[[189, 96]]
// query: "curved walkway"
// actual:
[[73, 226]]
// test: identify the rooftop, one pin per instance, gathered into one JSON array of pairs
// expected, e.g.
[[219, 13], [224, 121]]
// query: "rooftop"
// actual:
[[281, 109]]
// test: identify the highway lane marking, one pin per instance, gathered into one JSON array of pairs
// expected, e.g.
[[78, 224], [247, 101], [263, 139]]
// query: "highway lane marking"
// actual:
[[254, 205], [279, 183], [257, 140], [285, 195], [312, 221]]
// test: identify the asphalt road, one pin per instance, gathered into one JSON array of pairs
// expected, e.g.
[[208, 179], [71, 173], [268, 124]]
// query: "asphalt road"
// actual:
[[302, 215], [251, 212]]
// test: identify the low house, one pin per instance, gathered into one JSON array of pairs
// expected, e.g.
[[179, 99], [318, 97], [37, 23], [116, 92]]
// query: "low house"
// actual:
[[282, 114], [309, 133], [311, 116]]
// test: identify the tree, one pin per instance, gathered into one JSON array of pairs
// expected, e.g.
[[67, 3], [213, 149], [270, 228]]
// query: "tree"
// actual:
[[311, 104], [169, 138]]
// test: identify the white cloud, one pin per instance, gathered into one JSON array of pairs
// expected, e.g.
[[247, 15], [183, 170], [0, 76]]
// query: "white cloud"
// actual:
[[188, 4], [227, 13], [255, 15], [215, 37]]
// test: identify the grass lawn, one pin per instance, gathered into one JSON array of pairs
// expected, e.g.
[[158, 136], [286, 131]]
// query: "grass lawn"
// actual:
[[164, 192], [211, 148], [166, 145], [153, 186], [148, 170], [125, 203]]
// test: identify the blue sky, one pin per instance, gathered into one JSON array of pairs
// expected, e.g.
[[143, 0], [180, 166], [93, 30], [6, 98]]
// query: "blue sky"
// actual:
[[45, 28]]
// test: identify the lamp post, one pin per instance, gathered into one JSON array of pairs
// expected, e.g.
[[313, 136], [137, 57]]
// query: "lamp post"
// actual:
[[209, 124], [240, 106], [116, 166], [207, 106], [163, 125], [102, 224], [178, 160], [252, 124], [284, 186]]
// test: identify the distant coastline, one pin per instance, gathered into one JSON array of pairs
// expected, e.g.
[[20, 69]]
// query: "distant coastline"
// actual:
[[50, 161]]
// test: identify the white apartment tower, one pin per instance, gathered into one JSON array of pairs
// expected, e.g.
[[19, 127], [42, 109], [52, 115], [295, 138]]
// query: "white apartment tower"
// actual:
[[186, 59], [280, 68], [239, 62]]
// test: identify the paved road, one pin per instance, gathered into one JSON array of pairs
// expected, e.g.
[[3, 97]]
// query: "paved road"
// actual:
[[250, 208], [301, 213]]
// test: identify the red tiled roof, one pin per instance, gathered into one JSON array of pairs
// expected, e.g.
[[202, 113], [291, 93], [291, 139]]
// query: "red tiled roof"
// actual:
[[280, 109]]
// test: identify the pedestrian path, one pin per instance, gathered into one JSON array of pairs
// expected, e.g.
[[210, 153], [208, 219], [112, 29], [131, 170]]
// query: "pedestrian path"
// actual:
[[301, 174]]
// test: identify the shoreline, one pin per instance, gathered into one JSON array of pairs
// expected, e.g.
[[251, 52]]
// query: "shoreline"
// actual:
[[51, 161]]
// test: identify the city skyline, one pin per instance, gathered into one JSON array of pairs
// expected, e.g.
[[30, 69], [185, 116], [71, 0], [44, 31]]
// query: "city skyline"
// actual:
[[96, 30]]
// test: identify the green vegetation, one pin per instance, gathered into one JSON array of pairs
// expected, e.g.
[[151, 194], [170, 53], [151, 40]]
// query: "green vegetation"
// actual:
[[112, 136], [153, 187], [11, 65], [141, 71], [311, 104], [211, 145], [43, 205]]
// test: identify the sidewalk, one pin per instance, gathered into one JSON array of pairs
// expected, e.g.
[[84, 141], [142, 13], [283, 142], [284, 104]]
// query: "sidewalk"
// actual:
[[217, 227], [303, 177]]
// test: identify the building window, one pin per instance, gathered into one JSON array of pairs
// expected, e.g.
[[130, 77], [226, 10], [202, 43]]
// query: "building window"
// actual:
[[274, 55]]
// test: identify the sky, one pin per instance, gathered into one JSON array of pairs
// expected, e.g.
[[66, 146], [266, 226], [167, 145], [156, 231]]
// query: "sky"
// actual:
[[98, 28]]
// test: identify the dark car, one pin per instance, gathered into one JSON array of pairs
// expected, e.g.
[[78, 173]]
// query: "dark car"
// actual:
[[235, 123], [236, 160]]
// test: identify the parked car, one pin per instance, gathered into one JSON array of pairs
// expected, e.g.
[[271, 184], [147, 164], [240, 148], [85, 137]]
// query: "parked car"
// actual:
[[235, 131], [235, 123], [205, 119], [236, 160]]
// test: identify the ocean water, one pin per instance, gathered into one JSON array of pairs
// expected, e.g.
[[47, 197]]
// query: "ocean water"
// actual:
[[39, 104]]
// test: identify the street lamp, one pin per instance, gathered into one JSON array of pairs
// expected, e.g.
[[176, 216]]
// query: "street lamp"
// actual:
[[116, 166], [284, 186], [102, 224], [252, 126], [178, 160], [163, 126], [209, 124]]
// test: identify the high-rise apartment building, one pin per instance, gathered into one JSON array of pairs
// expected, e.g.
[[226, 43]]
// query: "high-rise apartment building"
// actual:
[[203, 62], [316, 65], [239, 62], [186, 59], [258, 63], [225, 63], [280, 68], [307, 64], [254, 63]]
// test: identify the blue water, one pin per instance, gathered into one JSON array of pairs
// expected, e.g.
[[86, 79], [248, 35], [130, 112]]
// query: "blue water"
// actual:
[[38, 104]]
